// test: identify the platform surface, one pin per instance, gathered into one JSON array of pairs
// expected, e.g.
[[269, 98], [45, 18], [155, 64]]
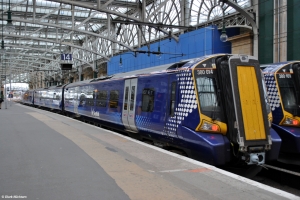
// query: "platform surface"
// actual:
[[44, 155]]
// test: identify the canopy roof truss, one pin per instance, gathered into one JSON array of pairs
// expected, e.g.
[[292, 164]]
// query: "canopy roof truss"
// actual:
[[96, 30]]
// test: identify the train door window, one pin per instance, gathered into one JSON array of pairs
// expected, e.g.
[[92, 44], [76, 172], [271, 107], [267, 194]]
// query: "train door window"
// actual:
[[57, 95], [126, 98], [148, 99], [101, 98], [71, 94], [113, 99], [132, 97], [82, 97], [173, 99], [89, 97]]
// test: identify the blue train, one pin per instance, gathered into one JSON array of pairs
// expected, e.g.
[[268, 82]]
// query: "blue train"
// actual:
[[213, 108], [283, 84]]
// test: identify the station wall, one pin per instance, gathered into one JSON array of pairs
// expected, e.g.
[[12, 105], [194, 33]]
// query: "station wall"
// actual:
[[279, 31], [293, 30], [193, 44], [266, 23]]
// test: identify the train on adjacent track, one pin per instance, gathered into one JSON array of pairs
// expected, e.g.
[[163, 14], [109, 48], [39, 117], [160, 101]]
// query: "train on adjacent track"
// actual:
[[283, 85], [213, 108]]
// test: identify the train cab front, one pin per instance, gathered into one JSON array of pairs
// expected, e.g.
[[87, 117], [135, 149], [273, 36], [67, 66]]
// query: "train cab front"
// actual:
[[283, 83], [233, 102]]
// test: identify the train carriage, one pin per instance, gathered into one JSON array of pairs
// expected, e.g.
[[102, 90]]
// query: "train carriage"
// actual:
[[28, 97], [76, 97], [283, 83], [40, 97], [55, 97], [213, 108]]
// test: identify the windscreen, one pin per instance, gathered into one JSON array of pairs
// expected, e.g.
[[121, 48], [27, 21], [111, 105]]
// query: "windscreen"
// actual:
[[209, 97], [287, 92], [207, 91]]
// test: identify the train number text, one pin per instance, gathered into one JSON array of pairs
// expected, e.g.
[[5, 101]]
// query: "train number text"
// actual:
[[204, 71], [284, 76]]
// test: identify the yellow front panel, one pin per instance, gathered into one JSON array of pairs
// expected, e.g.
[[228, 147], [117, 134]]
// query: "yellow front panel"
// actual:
[[250, 103]]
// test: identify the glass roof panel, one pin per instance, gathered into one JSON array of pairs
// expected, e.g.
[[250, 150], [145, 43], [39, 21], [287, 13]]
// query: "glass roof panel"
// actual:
[[47, 13]]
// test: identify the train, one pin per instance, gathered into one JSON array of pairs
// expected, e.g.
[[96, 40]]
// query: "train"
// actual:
[[213, 108], [283, 85]]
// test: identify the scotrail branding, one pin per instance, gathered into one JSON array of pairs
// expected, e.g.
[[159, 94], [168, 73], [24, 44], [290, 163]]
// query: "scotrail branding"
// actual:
[[95, 113]]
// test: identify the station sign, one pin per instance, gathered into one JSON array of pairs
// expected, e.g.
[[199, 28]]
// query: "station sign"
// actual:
[[66, 62], [66, 57]]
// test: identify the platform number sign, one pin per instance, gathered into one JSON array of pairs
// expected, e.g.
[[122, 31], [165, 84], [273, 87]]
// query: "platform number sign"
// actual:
[[66, 62], [66, 57]]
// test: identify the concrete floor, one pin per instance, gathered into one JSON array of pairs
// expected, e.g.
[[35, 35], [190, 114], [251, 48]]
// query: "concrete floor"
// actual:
[[48, 156]]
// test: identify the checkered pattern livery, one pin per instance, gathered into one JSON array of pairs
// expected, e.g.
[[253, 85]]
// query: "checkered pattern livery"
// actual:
[[272, 91], [187, 103], [143, 123]]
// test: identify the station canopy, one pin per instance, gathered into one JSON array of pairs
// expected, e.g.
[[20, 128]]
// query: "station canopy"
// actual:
[[94, 30]]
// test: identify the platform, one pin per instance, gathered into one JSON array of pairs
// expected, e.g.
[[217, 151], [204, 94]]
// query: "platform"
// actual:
[[44, 155]]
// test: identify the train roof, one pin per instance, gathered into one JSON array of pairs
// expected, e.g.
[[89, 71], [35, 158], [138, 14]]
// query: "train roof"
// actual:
[[135, 73], [79, 83], [49, 88], [141, 71], [56, 86], [39, 89], [150, 70], [171, 67], [158, 69], [274, 67]]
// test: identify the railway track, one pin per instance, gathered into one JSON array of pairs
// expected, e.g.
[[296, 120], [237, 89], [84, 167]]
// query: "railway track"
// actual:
[[281, 176]]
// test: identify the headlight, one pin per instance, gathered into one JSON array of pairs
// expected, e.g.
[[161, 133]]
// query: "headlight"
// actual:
[[210, 126], [290, 121]]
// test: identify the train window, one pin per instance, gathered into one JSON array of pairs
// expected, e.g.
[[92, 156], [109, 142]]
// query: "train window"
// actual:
[[148, 99], [101, 99], [69, 97], [89, 102], [126, 98], [113, 98], [82, 97], [132, 98], [173, 99], [89, 98], [207, 91]]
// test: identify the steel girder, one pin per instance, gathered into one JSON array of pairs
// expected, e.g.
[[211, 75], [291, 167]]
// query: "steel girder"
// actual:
[[93, 30]]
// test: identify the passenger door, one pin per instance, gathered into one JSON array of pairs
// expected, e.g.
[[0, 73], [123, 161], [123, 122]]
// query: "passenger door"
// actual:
[[129, 104], [76, 100], [171, 124]]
